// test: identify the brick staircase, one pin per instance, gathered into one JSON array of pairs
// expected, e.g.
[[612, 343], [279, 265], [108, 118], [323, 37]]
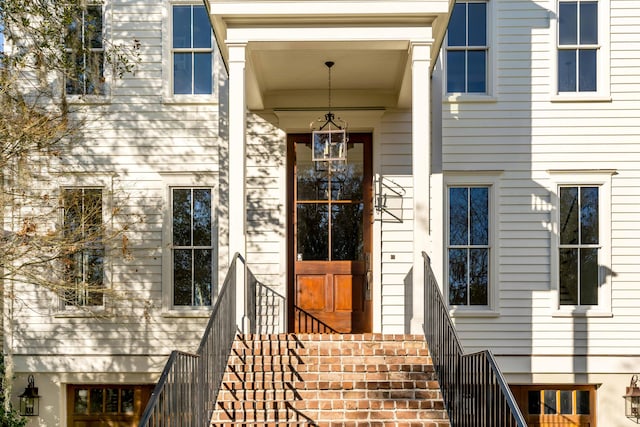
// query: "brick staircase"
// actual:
[[330, 381]]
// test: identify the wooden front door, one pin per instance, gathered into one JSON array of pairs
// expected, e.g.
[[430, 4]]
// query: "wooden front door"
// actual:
[[330, 238]]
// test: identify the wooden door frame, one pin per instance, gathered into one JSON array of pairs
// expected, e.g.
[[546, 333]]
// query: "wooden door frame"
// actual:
[[367, 186]]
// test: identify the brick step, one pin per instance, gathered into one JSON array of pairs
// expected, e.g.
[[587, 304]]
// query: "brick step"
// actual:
[[330, 380]]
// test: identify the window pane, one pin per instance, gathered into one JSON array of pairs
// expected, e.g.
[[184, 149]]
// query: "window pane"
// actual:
[[568, 24], [202, 276], [456, 70], [583, 405], [479, 233], [567, 70], [477, 71], [202, 217], [478, 276], [313, 232], [312, 180], [588, 69], [457, 276], [588, 22], [96, 400], [589, 276], [458, 216], [182, 290], [182, 72], [589, 230], [93, 26], [127, 401], [81, 401], [457, 30], [111, 405], [201, 28], [566, 401], [181, 26], [568, 276], [550, 404], [477, 24], [181, 217], [202, 64], [534, 402], [346, 232], [569, 209], [347, 179]]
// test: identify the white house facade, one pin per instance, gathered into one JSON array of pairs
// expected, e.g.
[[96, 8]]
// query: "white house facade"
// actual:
[[506, 149]]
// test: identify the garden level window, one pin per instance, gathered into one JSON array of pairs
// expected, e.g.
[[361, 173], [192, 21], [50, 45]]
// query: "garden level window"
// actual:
[[467, 49], [83, 231], [192, 51], [555, 405], [578, 46], [468, 246], [579, 245], [106, 404], [85, 53], [192, 246]]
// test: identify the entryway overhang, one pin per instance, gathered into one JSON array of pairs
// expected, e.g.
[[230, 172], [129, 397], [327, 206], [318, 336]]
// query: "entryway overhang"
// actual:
[[287, 42]]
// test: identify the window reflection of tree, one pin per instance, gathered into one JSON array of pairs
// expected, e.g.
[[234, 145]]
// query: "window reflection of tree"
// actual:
[[468, 245]]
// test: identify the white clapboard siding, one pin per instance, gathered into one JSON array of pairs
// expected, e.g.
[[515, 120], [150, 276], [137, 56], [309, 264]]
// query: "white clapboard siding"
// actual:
[[525, 134]]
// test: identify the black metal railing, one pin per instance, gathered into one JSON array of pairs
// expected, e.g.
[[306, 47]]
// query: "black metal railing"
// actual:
[[188, 387], [475, 392]]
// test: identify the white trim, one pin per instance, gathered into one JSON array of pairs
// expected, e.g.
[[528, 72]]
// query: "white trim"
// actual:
[[603, 78], [601, 179], [489, 179], [186, 180]]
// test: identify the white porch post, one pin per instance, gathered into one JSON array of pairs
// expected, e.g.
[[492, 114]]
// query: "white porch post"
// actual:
[[421, 165], [237, 155]]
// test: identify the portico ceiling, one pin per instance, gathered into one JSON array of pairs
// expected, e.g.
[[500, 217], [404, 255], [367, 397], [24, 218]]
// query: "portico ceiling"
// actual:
[[288, 43]]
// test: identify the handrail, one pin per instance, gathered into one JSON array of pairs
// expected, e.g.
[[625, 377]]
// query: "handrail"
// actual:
[[474, 390], [188, 386]]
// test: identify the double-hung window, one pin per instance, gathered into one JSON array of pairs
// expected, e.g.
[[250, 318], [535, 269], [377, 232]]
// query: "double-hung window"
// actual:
[[85, 52], [579, 247], [578, 46], [467, 48], [468, 248], [192, 246], [192, 51], [83, 232]]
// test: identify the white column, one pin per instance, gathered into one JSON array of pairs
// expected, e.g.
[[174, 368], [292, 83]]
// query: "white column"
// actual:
[[421, 165], [237, 172], [237, 150]]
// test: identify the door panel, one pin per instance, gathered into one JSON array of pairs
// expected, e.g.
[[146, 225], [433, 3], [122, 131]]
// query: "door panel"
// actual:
[[329, 238]]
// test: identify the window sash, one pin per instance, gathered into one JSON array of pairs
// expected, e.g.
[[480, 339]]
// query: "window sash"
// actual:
[[90, 73], [188, 78], [192, 246], [469, 248], [85, 266]]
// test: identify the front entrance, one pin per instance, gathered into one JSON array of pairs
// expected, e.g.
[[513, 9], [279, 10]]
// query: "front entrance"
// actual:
[[329, 247]]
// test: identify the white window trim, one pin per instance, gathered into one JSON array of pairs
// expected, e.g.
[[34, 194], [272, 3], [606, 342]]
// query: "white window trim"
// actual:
[[107, 74], [603, 82], [489, 179], [601, 179], [186, 180], [489, 95], [104, 182], [168, 97]]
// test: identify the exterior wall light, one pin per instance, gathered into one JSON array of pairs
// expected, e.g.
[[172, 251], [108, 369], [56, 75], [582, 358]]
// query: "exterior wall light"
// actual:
[[632, 400], [29, 400]]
